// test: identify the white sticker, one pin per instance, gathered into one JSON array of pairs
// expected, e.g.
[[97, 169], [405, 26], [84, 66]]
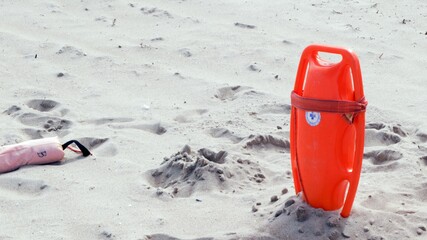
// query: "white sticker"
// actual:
[[313, 118]]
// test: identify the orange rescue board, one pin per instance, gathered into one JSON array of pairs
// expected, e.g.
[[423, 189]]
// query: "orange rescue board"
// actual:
[[327, 128]]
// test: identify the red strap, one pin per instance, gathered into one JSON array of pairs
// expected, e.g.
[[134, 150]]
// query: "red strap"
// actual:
[[332, 106]]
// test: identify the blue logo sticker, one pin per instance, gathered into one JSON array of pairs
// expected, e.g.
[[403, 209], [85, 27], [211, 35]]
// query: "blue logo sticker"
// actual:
[[313, 118]]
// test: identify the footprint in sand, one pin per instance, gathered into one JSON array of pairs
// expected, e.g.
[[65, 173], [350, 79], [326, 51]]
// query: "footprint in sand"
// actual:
[[397, 129], [380, 138], [381, 157], [48, 123], [41, 118], [42, 105], [379, 134]]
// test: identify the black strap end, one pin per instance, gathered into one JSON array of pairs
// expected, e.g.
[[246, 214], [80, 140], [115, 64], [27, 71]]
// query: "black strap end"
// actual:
[[83, 149]]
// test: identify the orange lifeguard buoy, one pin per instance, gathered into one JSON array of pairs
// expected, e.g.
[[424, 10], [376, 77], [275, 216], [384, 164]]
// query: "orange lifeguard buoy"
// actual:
[[327, 128]]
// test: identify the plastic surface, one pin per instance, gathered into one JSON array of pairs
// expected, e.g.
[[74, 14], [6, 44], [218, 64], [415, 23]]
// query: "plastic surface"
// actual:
[[327, 147], [40, 151]]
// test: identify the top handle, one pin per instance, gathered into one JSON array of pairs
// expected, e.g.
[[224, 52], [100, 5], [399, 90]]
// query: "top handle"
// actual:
[[349, 58]]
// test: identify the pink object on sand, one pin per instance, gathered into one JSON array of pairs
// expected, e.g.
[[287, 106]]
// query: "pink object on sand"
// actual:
[[39, 151]]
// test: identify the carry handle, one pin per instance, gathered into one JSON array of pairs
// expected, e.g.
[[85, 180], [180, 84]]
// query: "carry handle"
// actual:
[[310, 55]]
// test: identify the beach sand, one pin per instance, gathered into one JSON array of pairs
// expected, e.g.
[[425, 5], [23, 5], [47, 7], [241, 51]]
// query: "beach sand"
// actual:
[[185, 106]]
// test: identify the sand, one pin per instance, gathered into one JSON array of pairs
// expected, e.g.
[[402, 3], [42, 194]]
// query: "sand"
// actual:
[[185, 106]]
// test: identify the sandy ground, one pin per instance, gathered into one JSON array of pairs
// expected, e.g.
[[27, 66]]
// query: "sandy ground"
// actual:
[[186, 105]]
